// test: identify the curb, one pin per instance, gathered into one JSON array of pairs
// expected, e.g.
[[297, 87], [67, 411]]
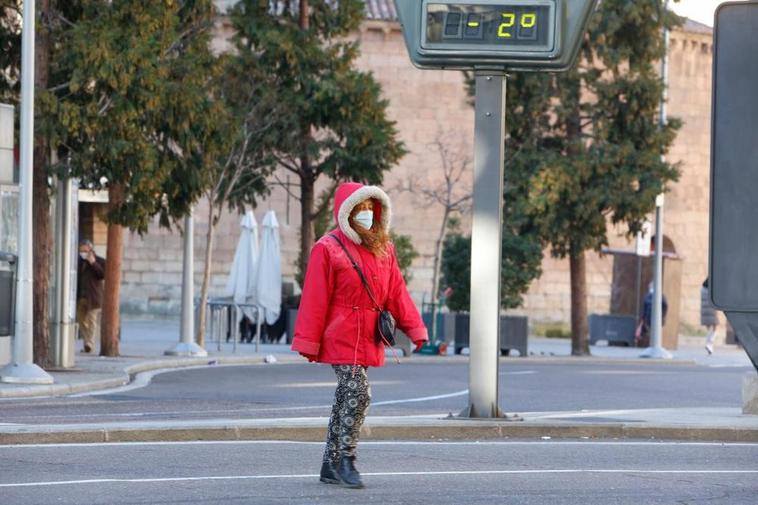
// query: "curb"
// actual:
[[439, 431], [127, 375]]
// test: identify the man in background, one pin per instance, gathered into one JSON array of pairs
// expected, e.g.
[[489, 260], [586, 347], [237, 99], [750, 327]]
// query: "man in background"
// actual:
[[642, 335], [89, 293]]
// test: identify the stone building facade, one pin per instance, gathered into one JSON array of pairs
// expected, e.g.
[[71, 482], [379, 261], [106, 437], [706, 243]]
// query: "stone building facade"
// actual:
[[427, 105]]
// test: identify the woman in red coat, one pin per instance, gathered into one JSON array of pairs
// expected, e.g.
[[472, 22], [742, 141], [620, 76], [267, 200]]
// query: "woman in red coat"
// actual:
[[337, 320]]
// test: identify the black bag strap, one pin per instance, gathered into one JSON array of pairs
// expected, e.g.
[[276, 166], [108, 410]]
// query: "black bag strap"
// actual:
[[357, 269]]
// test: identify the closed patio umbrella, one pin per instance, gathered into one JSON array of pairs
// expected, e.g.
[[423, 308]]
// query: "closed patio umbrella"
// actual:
[[242, 277], [269, 278]]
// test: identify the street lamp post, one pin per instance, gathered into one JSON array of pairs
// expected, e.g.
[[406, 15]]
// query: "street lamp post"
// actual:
[[656, 349], [187, 345], [22, 369]]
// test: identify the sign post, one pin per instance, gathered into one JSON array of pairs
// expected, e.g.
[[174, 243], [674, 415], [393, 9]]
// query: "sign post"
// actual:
[[491, 37], [486, 244]]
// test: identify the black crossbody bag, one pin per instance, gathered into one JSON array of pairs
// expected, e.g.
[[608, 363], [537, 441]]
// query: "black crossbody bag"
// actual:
[[385, 325]]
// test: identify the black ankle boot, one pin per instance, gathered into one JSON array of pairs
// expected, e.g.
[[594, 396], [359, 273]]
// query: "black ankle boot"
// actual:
[[347, 472], [329, 473]]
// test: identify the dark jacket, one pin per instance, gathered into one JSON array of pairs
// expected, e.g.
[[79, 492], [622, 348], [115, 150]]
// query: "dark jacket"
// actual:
[[90, 282], [647, 309]]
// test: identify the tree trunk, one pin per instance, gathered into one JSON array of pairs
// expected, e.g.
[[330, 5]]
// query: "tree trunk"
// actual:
[[111, 326], [307, 196], [579, 330], [307, 182], [436, 273], [304, 22], [206, 275], [41, 204], [41, 265]]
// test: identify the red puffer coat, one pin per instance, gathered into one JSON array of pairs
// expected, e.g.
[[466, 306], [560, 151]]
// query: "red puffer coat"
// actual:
[[336, 322]]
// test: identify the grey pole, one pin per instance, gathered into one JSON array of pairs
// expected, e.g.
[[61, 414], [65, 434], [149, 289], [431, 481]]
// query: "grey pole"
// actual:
[[21, 369], [486, 245], [65, 319], [187, 345], [656, 349]]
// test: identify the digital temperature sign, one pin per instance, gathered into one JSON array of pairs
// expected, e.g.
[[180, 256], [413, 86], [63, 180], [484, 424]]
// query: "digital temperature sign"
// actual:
[[513, 35], [519, 26]]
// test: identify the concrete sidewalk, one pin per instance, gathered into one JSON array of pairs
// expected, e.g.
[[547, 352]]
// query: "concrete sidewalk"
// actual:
[[144, 342]]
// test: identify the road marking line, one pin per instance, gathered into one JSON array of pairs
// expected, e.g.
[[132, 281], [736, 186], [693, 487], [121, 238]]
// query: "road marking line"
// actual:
[[728, 365], [389, 442], [588, 413], [379, 474], [422, 399], [250, 411]]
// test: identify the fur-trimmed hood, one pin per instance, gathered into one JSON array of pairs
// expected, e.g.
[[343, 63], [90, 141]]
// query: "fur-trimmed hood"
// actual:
[[350, 194]]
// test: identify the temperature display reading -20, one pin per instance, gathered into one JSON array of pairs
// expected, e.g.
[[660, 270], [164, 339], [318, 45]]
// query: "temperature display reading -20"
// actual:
[[518, 25]]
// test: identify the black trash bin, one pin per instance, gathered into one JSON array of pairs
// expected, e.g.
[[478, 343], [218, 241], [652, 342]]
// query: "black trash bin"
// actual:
[[614, 328], [7, 292], [514, 332]]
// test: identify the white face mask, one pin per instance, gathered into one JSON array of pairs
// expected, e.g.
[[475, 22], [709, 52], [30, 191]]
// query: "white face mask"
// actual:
[[365, 218], [83, 255]]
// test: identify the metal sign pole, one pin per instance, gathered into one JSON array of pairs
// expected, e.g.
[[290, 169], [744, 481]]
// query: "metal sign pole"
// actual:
[[187, 345], [486, 245], [64, 324], [22, 368], [656, 349]]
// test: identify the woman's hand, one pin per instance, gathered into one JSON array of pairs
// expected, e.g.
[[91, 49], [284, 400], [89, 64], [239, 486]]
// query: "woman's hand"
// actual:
[[310, 357]]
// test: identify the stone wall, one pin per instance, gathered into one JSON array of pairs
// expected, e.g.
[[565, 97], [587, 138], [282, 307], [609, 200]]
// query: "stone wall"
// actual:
[[687, 205], [427, 104]]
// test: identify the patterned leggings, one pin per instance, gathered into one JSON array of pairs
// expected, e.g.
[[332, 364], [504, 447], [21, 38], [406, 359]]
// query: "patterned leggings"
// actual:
[[351, 401]]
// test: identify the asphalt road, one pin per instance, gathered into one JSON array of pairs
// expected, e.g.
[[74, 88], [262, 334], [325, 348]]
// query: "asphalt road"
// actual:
[[523, 473], [410, 388]]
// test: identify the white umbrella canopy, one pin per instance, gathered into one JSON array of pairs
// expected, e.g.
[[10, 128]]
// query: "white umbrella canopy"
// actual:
[[242, 277], [269, 278]]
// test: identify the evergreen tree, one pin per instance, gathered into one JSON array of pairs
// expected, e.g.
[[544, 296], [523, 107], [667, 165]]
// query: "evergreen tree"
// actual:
[[334, 121], [10, 50], [132, 111], [520, 264], [588, 142]]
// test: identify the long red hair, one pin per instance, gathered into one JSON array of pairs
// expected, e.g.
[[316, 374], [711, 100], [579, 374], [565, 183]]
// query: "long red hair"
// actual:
[[376, 239]]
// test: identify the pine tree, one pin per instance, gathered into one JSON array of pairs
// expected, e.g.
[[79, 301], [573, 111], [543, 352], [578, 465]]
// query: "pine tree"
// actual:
[[334, 121], [10, 50], [132, 112], [588, 142], [520, 262]]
